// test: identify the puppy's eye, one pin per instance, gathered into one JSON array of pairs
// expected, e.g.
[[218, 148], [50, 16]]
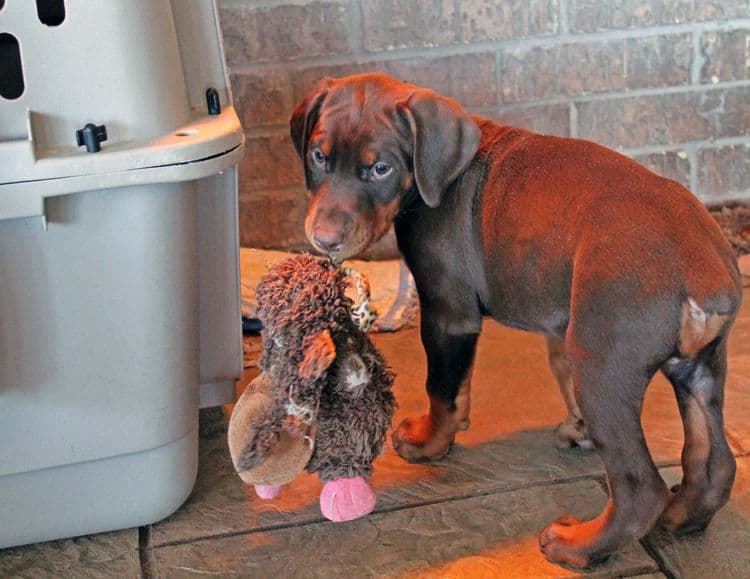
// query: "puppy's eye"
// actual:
[[318, 157], [380, 169]]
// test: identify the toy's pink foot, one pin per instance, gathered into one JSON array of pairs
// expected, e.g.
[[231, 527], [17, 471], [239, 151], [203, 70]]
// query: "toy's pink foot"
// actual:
[[346, 499], [267, 491]]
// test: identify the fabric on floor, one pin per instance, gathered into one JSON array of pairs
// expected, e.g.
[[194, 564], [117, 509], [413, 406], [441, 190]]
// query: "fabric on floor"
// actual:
[[392, 286]]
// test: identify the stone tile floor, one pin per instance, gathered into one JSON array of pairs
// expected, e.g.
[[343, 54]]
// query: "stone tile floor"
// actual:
[[474, 514]]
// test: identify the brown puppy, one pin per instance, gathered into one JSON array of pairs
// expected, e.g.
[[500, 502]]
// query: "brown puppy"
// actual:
[[625, 273]]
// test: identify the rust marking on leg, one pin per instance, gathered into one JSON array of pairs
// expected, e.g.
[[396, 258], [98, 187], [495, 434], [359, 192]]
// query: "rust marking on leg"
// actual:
[[697, 328], [572, 431], [430, 437]]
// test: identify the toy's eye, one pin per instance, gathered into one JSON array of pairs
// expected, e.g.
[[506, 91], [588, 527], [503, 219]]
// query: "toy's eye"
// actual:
[[318, 157], [380, 169]]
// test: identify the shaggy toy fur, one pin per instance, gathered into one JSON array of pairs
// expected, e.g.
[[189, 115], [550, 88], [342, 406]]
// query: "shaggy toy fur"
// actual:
[[344, 390]]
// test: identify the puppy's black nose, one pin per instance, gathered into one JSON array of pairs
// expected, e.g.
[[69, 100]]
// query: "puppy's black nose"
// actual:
[[329, 241]]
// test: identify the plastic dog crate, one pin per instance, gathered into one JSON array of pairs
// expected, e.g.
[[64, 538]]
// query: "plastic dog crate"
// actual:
[[119, 275]]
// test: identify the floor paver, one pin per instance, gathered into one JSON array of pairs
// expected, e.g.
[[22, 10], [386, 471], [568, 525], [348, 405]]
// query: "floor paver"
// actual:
[[476, 513]]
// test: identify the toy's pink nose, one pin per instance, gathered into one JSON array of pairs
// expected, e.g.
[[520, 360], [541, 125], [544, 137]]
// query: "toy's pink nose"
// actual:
[[346, 499], [267, 491]]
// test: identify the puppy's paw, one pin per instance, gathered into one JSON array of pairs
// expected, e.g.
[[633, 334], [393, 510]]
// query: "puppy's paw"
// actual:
[[569, 541], [572, 432], [419, 440], [681, 517]]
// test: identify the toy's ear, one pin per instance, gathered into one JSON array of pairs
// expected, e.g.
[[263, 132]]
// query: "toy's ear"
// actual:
[[320, 352], [255, 424], [258, 447]]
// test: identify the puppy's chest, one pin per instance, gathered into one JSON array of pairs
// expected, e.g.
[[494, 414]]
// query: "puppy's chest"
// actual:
[[527, 286]]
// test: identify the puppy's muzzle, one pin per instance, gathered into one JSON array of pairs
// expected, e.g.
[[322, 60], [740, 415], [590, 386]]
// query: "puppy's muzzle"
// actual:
[[331, 230]]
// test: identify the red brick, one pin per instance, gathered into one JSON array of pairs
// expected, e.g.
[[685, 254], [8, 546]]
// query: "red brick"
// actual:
[[482, 20], [305, 80], [593, 15], [670, 164], [727, 55], [667, 118], [469, 78], [285, 32], [315, 29], [274, 220], [724, 172], [616, 65], [239, 27], [545, 119], [269, 162], [390, 24], [263, 98], [721, 9]]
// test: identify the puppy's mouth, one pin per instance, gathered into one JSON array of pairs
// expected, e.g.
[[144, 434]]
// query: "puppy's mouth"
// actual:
[[343, 239], [350, 248]]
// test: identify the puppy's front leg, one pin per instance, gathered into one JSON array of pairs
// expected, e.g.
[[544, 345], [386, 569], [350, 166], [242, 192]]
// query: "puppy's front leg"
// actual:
[[450, 357]]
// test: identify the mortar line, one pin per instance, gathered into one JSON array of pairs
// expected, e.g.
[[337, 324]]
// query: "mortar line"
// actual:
[[706, 143], [261, 192], [282, 129], [255, 4], [692, 153], [573, 119], [698, 60], [563, 25], [357, 32], [498, 78], [660, 90], [550, 40]]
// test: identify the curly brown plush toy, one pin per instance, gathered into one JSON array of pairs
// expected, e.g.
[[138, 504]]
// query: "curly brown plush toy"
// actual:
[[323, 400]]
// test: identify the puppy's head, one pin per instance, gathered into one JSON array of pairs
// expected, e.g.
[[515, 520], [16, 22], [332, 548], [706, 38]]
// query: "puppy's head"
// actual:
[[367, 142]]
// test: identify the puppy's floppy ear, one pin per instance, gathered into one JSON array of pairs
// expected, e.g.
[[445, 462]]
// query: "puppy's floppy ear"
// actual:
[[445, 141], [304, 117]]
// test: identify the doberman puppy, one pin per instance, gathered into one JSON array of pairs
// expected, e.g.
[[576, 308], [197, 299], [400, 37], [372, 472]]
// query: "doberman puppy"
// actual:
[[623, 271]]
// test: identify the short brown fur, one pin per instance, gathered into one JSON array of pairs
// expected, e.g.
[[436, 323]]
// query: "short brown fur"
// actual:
[[557, 236]]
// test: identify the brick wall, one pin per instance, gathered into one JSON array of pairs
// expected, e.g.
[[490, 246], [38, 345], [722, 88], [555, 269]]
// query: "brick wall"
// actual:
[[665, 81]]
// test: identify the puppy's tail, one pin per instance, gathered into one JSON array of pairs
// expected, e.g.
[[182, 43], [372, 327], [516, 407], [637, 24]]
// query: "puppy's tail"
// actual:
[[701, 326]]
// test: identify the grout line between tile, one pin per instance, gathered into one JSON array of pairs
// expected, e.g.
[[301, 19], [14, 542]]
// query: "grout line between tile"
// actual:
[[598, 477], [652, 544], [395, 508], [145, 553]]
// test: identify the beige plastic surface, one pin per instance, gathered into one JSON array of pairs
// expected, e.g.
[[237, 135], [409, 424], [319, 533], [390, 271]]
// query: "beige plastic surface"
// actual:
[[119, 270], [139, 67]]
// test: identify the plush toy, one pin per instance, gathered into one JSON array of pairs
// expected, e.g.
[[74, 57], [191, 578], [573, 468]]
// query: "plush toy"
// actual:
[[323, 400]]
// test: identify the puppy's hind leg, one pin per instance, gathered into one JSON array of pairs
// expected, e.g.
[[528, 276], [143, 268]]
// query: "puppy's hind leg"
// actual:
[[609, 390], [572, 431], [707, 461]]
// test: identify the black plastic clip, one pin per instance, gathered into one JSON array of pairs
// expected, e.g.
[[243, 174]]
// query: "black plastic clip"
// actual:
[[213, 102], [91, 135]]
